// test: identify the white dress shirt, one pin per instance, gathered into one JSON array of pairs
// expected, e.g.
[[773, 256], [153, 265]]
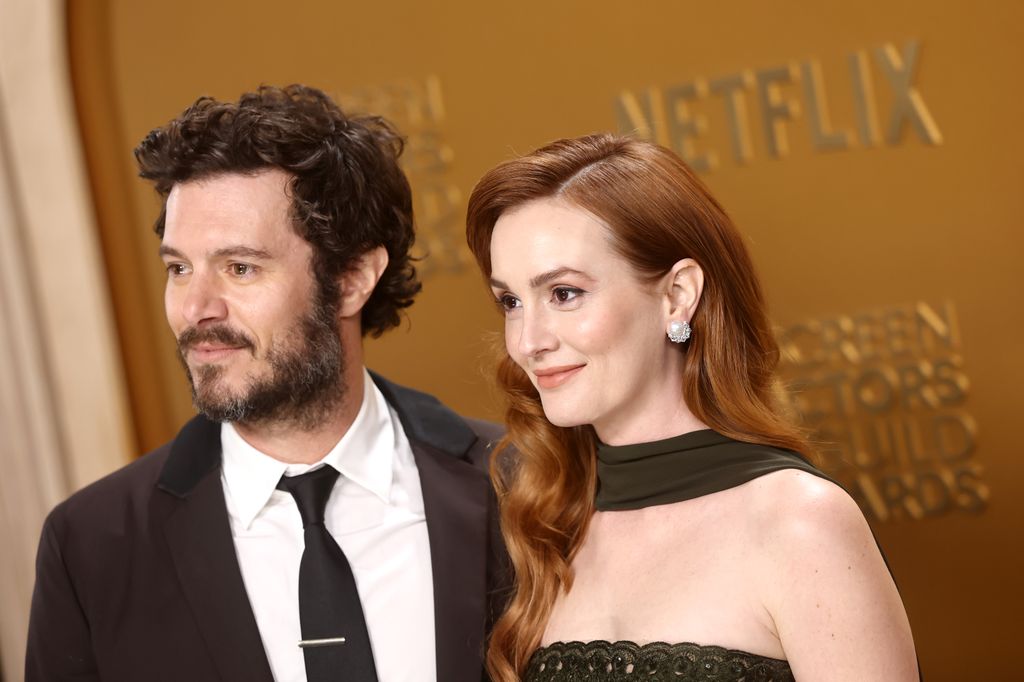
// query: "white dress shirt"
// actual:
[[375, 514]]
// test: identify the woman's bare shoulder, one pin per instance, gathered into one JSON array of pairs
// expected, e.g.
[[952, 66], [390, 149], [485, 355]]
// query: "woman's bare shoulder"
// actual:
[[822, 577], [796, 507]]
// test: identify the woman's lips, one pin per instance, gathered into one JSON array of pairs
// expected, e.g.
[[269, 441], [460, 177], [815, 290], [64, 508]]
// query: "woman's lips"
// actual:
[[553, 377]]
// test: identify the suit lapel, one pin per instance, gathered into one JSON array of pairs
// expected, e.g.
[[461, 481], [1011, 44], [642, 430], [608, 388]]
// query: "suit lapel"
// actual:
[[455, 499], [203, 551]]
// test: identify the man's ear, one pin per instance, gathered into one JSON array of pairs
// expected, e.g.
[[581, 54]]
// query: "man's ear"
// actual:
[[359, 280], [685, 283]]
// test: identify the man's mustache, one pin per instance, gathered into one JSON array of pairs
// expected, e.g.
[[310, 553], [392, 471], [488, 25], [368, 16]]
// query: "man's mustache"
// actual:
[[219, 334]]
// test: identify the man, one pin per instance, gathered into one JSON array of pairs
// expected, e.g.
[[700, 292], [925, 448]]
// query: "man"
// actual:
[[314, 521]]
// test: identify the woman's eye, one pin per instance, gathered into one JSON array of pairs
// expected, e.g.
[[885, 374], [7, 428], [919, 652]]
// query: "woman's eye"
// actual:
[[508, 302], [565, 294]]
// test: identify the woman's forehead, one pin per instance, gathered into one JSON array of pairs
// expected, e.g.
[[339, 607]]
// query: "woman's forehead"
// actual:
[[546, 224], [541, 238]]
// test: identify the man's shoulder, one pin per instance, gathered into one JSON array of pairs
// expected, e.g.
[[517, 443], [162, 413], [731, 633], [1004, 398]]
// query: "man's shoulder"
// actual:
[[121, 490], [488, 434], [426, 419], [488, 431]]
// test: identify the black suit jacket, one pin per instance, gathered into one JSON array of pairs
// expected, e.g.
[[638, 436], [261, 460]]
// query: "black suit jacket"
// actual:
[[137, 577]]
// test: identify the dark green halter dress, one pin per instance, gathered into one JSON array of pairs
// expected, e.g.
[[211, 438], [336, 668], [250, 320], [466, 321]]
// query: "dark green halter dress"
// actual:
[[648, 474]]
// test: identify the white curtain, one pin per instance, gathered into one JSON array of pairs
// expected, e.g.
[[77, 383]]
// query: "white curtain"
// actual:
[[63, 416]]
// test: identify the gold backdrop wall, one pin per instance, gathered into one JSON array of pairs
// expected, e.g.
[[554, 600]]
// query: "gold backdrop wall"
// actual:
[[869, 151]]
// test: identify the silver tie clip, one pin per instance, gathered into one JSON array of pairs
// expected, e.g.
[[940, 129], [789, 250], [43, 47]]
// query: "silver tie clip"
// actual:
[[330, 641]]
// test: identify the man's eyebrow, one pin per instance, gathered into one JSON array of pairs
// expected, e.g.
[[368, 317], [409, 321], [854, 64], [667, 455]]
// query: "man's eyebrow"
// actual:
[[226, 252], [170, 251], [543, 278], [240, 252]]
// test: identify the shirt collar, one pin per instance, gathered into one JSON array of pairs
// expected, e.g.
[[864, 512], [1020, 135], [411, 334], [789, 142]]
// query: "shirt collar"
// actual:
[[364, 455]]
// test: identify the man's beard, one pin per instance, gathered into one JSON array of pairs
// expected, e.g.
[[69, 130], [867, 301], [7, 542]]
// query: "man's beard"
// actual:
[[304, 384]]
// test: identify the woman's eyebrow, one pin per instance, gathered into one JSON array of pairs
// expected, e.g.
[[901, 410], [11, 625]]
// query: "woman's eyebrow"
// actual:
[[543, 278]]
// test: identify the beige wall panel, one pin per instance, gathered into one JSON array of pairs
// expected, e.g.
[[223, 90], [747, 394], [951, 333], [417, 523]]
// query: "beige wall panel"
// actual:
[[928, 215]]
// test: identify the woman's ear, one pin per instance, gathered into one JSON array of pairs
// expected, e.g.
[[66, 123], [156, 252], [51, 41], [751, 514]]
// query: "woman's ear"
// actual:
[[685, 283], [359, 280]]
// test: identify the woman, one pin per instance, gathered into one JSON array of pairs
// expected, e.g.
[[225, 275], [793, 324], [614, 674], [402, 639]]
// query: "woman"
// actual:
[[660, 521]]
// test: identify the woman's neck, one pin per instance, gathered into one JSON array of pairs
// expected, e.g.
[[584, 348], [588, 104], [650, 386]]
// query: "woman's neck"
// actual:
[[645, 425]]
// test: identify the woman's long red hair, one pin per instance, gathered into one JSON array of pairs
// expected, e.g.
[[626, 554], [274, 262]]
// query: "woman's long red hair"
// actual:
[[658, 212]]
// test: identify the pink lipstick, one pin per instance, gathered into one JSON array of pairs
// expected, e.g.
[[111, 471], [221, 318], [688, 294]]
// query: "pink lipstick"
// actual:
[[553, 377]]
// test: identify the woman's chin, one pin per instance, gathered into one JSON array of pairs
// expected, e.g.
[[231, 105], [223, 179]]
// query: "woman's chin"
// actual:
[[565, 419]]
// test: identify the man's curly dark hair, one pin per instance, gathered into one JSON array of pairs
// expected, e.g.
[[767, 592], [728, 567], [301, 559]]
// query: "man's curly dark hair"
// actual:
[[349, 194]]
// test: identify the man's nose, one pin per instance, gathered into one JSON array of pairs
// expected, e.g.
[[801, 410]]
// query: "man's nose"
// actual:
[[203, 300]]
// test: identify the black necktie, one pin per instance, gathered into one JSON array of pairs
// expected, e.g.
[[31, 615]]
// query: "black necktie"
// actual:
[[329, 607]]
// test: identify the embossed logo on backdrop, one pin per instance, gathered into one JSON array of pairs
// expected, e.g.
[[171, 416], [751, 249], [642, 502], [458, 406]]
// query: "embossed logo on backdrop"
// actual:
[[886, 395], [666, 114], [417, 108]]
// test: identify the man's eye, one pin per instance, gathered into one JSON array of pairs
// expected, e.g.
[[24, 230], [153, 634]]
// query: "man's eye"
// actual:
[[176, 269], [241, 269]]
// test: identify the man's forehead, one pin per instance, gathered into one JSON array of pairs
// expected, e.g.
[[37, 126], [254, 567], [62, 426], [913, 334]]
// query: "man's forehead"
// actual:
[[264, 187], [238, 208], [227, 251]]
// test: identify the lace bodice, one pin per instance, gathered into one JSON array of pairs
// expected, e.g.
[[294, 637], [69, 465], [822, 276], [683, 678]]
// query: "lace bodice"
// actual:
[[601, 661]]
